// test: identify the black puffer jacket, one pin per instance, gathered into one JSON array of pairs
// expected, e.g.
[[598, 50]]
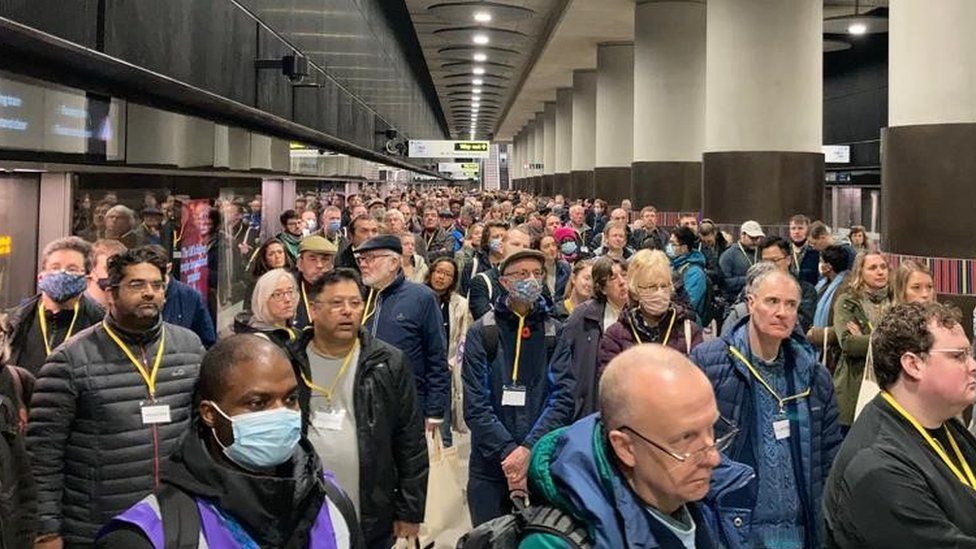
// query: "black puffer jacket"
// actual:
[[92, 455], [392, 448], [21, 318]]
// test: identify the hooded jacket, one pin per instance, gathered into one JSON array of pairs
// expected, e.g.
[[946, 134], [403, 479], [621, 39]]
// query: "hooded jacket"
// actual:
[[691, 266], [92, 455], [392, 448], [275, 511], [22, 318], [407, 316], [854, 351], [573, 470], [817, 440], [496, 430]]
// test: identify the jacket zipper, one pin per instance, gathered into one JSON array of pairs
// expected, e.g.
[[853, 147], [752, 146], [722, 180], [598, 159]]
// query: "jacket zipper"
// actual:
[[154, 426]]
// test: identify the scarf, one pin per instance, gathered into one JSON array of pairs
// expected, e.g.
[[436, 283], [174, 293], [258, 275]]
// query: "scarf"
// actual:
[[821, 318]]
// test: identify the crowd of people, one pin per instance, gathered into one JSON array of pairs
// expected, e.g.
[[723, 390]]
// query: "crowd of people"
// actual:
[[637, 385]]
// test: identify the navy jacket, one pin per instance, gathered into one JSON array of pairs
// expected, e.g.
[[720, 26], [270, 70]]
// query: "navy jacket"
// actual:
[[563, 271], [408, 317], [478, 263], [817, 444], [185, 307], [496, 430]]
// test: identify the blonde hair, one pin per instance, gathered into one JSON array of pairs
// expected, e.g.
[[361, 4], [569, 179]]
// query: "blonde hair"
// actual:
[[856, 283], [904, 272], [647, 264], [263, 288]]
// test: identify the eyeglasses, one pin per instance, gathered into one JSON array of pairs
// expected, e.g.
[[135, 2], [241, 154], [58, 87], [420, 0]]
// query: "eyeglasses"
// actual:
[[139, 286], [69, 271], [367, 259], [720, 443], [522, 275], [655, 288], [282, 295], [294, 223], [337, 305], [775, 259], [961, 354]]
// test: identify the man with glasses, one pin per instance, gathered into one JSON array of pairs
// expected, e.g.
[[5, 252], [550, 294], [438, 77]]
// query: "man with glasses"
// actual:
[[59, 310], [777, 250], [316, 256], [110, 405], [647, 470], [407, 316], [291, 234], [904, 475], [767, 380], [515, 390], [359, 402]]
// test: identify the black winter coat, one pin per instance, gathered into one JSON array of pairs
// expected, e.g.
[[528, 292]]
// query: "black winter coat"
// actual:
[[21, 318], [18, 496], [92, 456], [581, 340], [392, 446]]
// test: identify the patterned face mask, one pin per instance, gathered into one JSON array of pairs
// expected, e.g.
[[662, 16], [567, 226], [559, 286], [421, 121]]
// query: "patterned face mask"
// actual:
[[62, 286]]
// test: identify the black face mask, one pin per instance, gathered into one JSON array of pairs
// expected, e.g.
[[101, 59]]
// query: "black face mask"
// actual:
[[519, 219]]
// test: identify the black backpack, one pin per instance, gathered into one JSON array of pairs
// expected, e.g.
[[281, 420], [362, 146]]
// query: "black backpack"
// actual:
[[507, 531], [715, 305]]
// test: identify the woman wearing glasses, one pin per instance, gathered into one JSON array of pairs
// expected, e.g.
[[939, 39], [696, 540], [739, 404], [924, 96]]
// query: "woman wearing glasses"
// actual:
[[652, 315], [442, 278], [273, 306]]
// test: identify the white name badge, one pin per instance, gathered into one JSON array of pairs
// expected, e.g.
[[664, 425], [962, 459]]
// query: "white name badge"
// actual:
[[513, 395], [156, 413], [324, 420], [781, 429]]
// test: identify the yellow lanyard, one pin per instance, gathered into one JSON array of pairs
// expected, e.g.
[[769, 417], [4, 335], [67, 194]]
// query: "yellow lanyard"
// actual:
[[369, 313], [148, 377], [42, 320], [667, 335], [781, 400], [968, 480], [518, 348], [308, 310], [569, 305], [327, 393]]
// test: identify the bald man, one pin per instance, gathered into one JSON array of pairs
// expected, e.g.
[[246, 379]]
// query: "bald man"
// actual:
[[647, 466]]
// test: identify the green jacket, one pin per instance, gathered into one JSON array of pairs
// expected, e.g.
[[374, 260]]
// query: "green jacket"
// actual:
[[854, 350]]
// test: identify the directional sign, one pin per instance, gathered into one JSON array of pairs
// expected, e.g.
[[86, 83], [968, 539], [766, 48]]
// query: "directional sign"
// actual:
[[448, 149]]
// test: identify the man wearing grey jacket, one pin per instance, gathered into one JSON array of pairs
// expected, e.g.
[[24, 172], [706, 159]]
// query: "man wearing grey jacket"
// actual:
[[737, 259]]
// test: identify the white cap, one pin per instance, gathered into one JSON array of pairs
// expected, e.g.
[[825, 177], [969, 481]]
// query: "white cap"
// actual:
[[752, 229]]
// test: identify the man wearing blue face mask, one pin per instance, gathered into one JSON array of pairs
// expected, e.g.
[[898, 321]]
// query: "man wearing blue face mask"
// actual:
[[244, 476], [60, 310], [515, 390]]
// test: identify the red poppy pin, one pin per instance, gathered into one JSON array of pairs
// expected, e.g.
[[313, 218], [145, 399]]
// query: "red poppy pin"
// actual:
[[526, 332]]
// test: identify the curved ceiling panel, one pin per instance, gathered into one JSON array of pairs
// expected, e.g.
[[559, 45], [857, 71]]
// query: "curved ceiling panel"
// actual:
[[481, 12], [473, 35], [468, 66], [469, 94], [470, 78], [467, 53], [469, 86]]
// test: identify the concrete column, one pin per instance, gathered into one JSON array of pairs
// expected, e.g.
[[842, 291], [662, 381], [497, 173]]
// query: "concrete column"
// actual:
[[614, 120], [584, 133], [529, 155], [764, 110], [514, 164], [540, 150], [928, 165], [564, 140], [549, 149], [669, 104]]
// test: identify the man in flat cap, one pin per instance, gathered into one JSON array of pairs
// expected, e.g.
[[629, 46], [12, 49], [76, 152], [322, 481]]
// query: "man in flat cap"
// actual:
[[316, 256], [407, 316]]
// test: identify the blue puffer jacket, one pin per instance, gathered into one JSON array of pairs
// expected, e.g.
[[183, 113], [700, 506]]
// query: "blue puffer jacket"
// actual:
[[407, 316], [572, 469], [817, 444], [692, 269]]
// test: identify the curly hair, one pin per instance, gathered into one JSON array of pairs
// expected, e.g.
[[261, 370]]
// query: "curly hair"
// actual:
[[905, 329]]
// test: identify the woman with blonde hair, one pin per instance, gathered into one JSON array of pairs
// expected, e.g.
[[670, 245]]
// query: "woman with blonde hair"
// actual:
[[857, 312], [414, 265], [273, 306], [579, 289], [652, 316], [913, 283]]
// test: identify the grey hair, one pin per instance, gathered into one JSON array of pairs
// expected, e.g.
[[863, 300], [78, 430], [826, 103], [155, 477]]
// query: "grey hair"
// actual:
[[758, 273], [123, 210], [263, 288], [70, 243]]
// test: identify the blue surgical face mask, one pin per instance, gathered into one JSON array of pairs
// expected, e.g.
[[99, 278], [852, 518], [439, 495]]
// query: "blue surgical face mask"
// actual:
[[495, 245], [61, 286], [568, 247], [669, 250], [333, 226], [527, 291], [262, 439]]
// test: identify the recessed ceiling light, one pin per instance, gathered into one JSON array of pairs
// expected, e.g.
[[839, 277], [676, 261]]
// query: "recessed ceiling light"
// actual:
[[478, 71], [480, 57], [480, 39], [482, 16], [857, 28], [477, 81], [476, 91]]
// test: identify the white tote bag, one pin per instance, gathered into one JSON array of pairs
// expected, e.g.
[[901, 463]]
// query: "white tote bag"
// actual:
[[446, 516], [869, 383]]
